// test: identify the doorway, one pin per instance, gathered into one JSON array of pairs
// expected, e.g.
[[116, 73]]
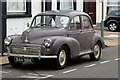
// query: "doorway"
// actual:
[[90, 8]]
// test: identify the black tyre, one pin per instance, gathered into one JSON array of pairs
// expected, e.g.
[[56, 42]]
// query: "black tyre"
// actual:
[[13, 63], [62, 58], [95, 56], [113, 26]]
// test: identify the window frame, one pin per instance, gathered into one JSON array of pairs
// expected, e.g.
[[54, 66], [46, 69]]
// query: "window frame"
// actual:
[[26, 14], [73, 5]]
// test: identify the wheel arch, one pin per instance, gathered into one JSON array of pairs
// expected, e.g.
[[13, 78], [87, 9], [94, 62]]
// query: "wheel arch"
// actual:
[[98, 39], [100, 43], [111, 22], [69, 43], [68, 48]]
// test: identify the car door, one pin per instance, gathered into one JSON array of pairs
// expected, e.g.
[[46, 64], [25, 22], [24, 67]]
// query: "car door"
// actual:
[[76, 32], [88, 33]]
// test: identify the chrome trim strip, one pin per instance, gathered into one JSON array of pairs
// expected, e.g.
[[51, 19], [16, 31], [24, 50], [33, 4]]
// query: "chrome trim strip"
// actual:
[[48, 56], [21, 55], [32, 56]]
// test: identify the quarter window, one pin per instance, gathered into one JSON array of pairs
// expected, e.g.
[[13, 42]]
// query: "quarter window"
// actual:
[[85, 22], [75, 23]]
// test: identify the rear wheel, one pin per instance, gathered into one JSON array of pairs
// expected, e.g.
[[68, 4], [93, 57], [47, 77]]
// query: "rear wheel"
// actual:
[[62, 58], [95, 56], [113, 26], [13, 63]]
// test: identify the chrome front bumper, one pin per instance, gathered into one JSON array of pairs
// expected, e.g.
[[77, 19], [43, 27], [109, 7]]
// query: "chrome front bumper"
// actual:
[[31, 56]]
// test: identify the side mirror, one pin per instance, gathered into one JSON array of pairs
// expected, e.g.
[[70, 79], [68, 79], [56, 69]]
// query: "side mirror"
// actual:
[[28, 25]]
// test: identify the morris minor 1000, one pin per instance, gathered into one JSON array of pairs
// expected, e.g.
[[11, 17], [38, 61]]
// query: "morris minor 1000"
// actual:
[[55, 35]]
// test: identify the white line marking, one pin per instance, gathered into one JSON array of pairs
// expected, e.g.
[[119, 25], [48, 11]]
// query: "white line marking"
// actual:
[[26, 76], [46, 76], [105, 62], [117, 59], [30, 75], [4, 72], [90, 65], [69, 71], [112, 36]]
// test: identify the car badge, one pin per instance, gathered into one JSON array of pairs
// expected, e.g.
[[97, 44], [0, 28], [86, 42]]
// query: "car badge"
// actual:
[[28, 30], [24, 48], [26, 40]]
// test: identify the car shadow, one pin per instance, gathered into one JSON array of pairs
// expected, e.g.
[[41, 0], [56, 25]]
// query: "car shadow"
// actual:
[[48, 66]]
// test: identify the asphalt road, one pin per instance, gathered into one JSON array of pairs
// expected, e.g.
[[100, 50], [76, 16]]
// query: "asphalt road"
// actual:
[[106, 67]]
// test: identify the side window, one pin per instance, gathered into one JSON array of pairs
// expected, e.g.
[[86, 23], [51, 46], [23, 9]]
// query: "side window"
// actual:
[[75, 23], [85, 22], [117, 13]]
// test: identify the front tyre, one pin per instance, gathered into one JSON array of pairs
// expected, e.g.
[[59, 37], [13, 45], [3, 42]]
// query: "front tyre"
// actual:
[[13, 63], [95, 56], [62, 58]]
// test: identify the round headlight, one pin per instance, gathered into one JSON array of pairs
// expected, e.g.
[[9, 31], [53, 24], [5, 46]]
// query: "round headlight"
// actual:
[[47, 43], [7, 41]]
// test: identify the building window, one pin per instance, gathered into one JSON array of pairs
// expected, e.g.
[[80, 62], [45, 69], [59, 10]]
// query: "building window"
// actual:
[[113, 5], [18, 8], [16, 5], [66, 5], [46, 5]]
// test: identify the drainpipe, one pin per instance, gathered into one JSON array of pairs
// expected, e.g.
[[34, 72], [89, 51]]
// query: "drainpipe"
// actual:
[[0, 28], [102, 21]]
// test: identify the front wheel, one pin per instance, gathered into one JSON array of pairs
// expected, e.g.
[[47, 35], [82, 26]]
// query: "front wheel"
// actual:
[[113, 26], [13, 63], [95, 56], [62, 58]]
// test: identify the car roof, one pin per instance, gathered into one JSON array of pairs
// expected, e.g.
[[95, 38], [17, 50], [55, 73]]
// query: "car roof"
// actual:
[[69, 13]]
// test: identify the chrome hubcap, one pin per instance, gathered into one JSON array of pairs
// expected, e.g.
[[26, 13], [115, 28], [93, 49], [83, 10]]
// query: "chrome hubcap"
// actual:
[[62, 57], [97, 51], [112, 26]]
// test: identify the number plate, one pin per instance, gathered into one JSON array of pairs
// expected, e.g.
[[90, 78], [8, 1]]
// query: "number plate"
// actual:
[[26, 60]]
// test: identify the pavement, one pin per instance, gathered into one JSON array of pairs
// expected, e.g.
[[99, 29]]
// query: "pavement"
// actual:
[[110, 40]]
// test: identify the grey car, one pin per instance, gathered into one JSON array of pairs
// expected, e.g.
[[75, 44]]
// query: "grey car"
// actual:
[[55, 35]]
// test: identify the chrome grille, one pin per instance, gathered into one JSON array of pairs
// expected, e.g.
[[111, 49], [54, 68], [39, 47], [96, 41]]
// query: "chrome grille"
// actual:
[[26, 49]]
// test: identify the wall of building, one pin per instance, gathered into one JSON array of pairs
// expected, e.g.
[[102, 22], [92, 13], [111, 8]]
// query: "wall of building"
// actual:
[[16, 25], [79, 5]]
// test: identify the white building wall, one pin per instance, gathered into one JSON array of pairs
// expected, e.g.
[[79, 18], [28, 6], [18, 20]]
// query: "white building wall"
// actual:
[[17, 25], [54, 4], [80, 5], [36, 7]]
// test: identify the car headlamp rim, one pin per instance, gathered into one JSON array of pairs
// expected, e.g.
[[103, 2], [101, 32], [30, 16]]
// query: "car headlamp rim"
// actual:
[[47, 43], [7, 41]]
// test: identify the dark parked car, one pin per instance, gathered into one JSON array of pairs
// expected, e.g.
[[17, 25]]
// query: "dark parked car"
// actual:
[[55, 35], [112, 21]]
